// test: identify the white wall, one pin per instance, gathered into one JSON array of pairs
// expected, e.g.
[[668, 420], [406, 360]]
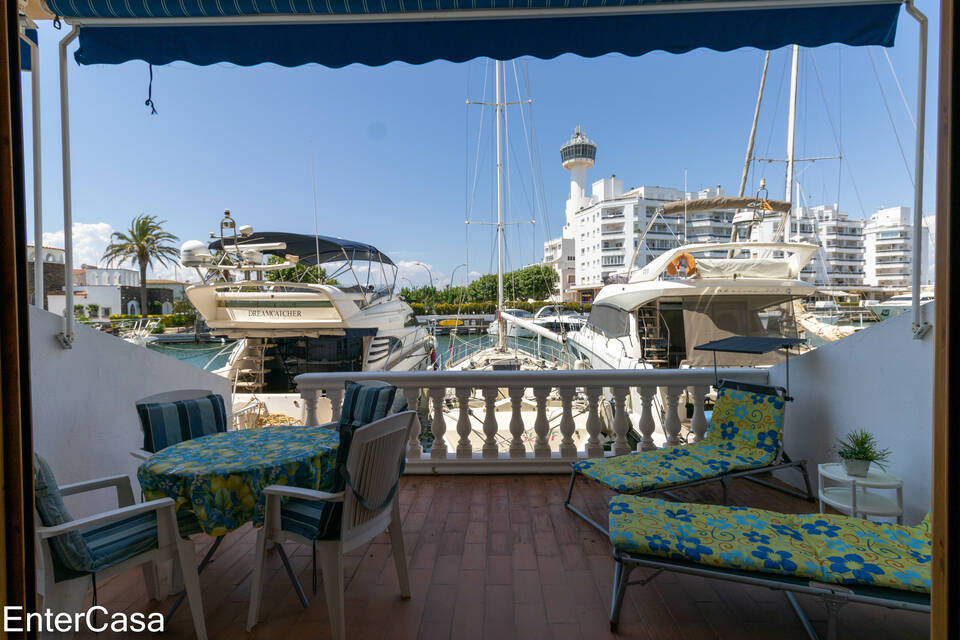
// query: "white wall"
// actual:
[[879, 379], [85, 422]]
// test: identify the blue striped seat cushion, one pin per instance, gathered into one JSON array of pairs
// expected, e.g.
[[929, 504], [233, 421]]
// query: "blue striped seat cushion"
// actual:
[[304, 517], [167, 423], [362, 404]]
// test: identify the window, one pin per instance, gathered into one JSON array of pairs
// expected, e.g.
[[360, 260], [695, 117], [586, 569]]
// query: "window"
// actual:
[[105, 312], [610, 320]]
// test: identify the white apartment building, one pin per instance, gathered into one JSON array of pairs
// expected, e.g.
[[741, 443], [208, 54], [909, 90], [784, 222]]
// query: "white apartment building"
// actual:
[[888, 244], [603, 228], [840, 262]]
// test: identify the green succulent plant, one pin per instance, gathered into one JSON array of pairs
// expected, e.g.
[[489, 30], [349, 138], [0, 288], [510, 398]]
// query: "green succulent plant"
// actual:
[[860, 444]]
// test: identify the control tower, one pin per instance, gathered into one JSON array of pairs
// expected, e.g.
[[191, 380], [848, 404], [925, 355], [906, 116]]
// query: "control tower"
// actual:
[[578, 155]]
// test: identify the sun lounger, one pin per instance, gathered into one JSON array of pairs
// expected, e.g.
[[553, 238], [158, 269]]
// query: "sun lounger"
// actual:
[[836, 558], [745, 438]]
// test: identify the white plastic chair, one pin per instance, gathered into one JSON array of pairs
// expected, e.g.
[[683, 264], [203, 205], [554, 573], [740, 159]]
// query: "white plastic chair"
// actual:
[[373, 468], [67, 595], [175, 396]]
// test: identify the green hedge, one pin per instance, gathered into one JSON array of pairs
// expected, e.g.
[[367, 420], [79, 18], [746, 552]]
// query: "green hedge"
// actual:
[[475, 308]]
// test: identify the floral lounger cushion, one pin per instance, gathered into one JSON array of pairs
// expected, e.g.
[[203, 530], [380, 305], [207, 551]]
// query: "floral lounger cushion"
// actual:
[[745, 432], [822, 547]]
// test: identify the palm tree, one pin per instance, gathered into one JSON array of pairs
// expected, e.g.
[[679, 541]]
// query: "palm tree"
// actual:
[[143, 243]]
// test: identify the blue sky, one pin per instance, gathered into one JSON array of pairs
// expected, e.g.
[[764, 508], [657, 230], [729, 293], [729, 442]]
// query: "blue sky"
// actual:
[[394, 148]]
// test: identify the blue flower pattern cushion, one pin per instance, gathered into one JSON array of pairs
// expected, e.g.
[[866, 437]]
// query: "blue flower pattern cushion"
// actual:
[[745, 432], [822, 547]]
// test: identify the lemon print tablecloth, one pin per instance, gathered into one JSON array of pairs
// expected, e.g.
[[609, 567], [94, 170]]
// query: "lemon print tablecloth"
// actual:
[[221, 477]]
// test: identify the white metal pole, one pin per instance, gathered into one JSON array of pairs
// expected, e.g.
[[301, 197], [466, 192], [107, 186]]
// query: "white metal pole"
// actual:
[[66, 338], [501, 323], [920, 325], [37, 176], [791, 130]]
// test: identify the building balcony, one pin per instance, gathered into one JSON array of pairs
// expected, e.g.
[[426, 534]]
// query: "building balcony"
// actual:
[[612, 248]]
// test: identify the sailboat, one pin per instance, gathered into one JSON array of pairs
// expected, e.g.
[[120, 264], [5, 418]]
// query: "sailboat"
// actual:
[[500, 356]]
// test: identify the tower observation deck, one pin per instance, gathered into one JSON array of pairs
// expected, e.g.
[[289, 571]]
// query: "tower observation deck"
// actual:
[[578, 150]]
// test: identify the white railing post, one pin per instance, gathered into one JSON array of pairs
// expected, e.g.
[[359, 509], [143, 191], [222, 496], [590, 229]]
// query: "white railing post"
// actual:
[[439, 447], [541, 425], [464, 448], [620, 425], [414, 450], [647, 424], [593, 447], [698, 424], [671, 424], [567, 426], [310, 397], [335, 393], [490, 423], [517, 450]]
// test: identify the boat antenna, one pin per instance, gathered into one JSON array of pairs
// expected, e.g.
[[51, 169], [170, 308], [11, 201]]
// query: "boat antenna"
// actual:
[[316, 221]]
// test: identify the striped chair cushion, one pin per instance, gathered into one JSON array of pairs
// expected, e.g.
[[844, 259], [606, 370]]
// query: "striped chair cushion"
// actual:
[[167, 423], [69, 549], [362, 405]]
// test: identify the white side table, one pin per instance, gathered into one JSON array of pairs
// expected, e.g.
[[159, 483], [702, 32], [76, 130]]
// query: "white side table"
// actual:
[[850, 495]]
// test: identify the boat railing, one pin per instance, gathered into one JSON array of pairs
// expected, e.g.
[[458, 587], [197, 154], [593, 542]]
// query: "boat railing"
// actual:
[[528, 422]]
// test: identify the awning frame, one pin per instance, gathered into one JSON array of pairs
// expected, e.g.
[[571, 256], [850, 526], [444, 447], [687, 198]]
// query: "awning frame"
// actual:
[[920, 326]]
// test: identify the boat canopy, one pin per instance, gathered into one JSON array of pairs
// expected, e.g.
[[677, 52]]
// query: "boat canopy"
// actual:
[[723, 202], [336, 33], [310, 250]]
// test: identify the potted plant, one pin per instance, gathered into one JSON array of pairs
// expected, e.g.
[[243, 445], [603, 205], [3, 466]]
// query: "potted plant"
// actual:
[[858, 449]]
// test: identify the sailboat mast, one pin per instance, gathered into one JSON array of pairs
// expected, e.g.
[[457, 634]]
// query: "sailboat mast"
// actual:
[[791, 134], [501, 323]]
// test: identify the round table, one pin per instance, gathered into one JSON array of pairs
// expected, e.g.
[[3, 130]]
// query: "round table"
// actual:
[[221, 477], [851, 497]]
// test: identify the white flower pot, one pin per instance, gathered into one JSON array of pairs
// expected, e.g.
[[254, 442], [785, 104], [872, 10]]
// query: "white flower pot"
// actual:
[[856, 467]]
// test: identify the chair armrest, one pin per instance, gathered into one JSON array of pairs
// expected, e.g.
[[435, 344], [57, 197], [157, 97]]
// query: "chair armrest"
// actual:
[[141, 454], [306, 494], [103, 518], [121, 482]]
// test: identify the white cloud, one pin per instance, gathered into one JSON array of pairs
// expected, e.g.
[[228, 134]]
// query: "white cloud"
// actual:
[[89, 241]]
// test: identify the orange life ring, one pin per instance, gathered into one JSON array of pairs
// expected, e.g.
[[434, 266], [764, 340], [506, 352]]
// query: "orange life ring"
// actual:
[[674, 266]]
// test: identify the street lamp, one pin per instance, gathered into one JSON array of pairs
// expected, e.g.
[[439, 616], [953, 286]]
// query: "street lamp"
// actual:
[[429, 274], [455, 273]]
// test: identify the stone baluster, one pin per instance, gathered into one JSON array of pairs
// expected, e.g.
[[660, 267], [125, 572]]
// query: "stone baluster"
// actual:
[[541, 425], [439, 447], [567, 448], [620, 424], [490, 423], [671, 423], [310, 397], [698, 424], [335, 394], [517, 449], [414, 450], [593, 446], [647, 423], [464, 448]]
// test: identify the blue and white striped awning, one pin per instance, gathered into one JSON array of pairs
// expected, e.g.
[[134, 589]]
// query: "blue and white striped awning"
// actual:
[[335, 33]]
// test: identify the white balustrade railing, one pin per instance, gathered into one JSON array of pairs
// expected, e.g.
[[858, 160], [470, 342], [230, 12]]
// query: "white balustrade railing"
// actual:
[[515, 431]]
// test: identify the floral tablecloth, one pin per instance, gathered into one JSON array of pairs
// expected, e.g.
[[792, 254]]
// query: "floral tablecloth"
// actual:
[[221, 477]]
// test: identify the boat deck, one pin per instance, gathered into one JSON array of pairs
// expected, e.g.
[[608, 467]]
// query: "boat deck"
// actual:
[[499, 557]]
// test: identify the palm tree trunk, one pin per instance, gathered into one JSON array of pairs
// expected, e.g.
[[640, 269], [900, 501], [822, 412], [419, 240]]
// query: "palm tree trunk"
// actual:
[[143, 289]]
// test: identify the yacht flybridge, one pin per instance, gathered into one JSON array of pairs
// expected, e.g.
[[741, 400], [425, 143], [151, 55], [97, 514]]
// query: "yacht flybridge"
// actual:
[[255, 288], [693, 294]]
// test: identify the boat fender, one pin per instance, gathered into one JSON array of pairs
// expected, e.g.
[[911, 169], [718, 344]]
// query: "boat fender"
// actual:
[[674, 267]]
